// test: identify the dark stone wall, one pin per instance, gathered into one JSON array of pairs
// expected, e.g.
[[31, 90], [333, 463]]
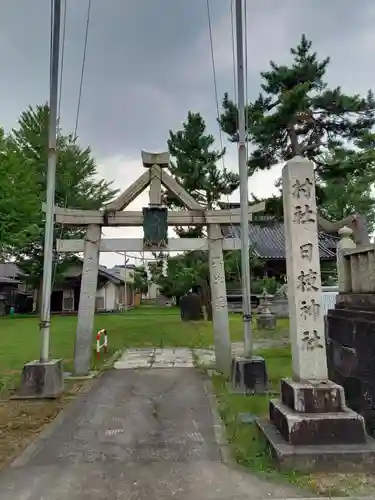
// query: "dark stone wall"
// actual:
[[351, 351]]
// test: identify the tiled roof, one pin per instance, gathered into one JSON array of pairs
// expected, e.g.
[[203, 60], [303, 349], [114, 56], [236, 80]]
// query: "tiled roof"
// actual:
[[8, 281], [268, 242], [9, 270]]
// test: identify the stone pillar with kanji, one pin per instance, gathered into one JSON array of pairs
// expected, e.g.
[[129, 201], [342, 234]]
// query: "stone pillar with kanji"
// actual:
[[308, 427]]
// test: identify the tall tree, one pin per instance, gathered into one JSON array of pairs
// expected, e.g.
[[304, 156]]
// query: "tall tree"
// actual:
[[18, 203], [297, 113], [195, 165], [77, 184]]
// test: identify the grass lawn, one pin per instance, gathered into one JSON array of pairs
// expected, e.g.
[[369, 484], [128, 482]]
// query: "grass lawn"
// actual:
[[141, 327]]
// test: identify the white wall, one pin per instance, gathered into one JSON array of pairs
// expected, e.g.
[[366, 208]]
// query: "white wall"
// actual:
[[153, 290], [108, 293], [329, 294]]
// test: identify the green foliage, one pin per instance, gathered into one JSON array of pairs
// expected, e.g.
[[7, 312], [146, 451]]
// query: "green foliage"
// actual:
[[19, 203], [76, 186], [297, 113], [191, 269], [344, 197], [270, 285], [140, 279], [195, 167]]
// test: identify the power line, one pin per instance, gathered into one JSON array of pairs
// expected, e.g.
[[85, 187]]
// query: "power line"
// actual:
[[246, 86], [54, 274], [214, 75], [217, 100], [83, 66], [233, 51]]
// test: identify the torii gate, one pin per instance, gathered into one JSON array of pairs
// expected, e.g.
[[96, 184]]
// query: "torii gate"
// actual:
[[114, 215]]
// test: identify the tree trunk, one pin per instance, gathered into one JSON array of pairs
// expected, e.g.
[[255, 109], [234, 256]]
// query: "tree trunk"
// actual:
[[296, 149], [206, 298]]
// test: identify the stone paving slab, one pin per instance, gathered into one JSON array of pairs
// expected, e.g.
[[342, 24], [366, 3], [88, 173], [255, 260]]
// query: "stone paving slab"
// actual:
[[179, 356], [155, 358]]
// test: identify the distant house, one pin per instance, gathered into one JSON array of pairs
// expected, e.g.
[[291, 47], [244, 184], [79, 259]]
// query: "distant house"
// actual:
[[13, 289], [110, 295]]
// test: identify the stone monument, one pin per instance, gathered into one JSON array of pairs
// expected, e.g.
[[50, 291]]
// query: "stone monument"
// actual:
[[311, 427], [191, 307], [265, 318]]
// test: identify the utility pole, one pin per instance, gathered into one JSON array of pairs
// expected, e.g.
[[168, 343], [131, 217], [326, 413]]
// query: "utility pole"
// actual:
[[51, 383], [244, 196], [45, 318]]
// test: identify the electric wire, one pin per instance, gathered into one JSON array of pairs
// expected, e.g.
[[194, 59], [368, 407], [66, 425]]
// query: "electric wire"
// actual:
[[246, 84], [62, 57], [61, 91], [233, 51], [212, 51], [214, 75], [83, 66]]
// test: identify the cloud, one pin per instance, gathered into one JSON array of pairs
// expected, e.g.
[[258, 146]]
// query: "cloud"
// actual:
[[148, 63]]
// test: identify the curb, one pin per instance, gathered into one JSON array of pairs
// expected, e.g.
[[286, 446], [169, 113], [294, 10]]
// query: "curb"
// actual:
[[219, 428]]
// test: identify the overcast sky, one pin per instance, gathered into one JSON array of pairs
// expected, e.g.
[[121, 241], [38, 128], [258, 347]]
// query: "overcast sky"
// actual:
[[148, 63]]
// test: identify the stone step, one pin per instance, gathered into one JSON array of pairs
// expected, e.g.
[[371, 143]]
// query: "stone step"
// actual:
[[318, 457], [345, 427]]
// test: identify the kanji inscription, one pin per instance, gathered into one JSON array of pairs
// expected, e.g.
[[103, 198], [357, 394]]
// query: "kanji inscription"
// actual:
[[221, 303], [309, 308], [218, 277], [311, 340], [307, 281], [303, 214], [306, 251], [302, 188]]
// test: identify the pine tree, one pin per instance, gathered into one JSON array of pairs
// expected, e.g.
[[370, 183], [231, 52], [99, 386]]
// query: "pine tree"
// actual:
[[196, 166], [297, 113]]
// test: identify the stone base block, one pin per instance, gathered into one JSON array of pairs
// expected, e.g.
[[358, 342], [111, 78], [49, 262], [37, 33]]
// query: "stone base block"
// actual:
[[266, 321], [249, 375], [312, 396], [328, 458], [317, 428], [42, 380]]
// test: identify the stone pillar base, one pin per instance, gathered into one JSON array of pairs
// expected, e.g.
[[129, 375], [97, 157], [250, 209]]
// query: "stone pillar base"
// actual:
[[249, 375], [311, 428], [42, 380]]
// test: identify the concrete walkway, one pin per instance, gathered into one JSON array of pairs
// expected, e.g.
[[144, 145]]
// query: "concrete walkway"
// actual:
[[136, 435]]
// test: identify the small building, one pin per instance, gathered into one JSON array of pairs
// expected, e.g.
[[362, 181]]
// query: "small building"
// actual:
[[110, 295], [14, 292]]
